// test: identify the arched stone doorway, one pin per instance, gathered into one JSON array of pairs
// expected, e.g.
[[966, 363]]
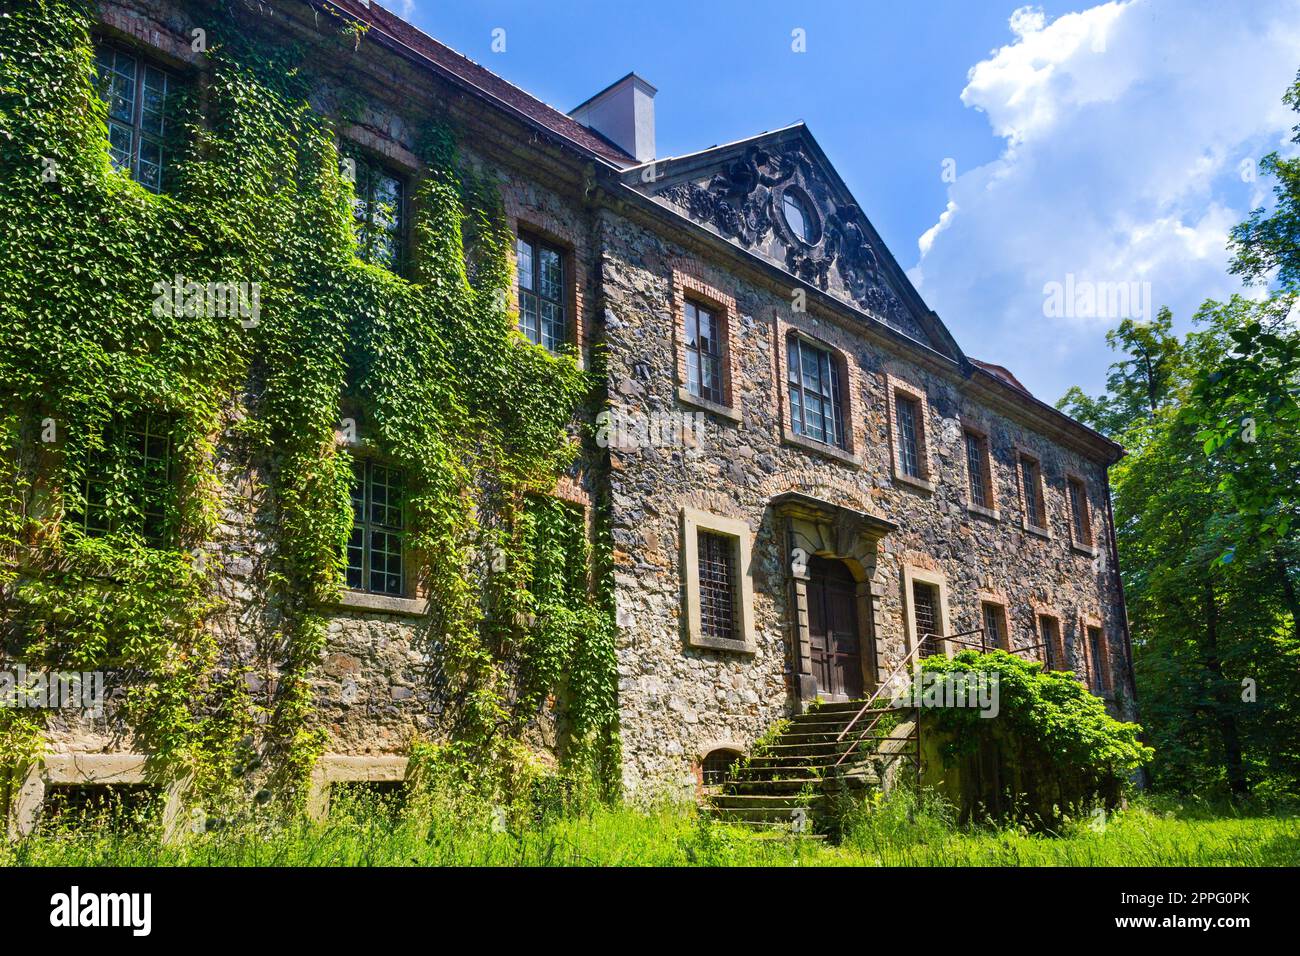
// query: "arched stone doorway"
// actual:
[[834, 613]]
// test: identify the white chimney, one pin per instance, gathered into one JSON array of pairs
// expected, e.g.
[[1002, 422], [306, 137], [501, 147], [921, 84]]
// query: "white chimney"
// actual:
[[624, 114]]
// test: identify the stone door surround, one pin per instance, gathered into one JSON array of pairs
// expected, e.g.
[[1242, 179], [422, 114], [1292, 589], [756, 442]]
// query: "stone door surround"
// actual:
[[814, 527]]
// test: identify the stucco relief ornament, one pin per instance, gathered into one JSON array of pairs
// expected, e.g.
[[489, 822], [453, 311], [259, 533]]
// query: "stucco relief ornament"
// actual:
[[744, 203]]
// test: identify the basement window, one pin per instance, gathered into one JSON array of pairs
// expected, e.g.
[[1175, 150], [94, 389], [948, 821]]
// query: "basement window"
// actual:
[[368, 798], [717, 765], [140, 98], [116, 807]]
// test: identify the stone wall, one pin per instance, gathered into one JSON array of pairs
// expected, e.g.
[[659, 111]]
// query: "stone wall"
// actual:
[[678, 701]]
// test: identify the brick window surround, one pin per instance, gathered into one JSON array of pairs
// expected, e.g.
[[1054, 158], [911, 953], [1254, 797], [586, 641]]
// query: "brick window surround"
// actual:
[[977, 444], [938, 583], [848, 382], [897, 390], [722, 307], [531, 225], [1036, 495], [1095, 652], [993, 618], [1080, 514], [1050, 634], [696, 523]]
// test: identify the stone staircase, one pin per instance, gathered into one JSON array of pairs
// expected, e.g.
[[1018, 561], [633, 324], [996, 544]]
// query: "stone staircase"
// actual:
[[791, 783]]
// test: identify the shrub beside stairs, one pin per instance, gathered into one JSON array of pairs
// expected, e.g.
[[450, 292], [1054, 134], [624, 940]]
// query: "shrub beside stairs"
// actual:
[[792, 782]]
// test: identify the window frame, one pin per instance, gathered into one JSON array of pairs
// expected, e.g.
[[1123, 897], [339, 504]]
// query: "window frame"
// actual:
[[373, 163], [124, 432], [834, 392], [537, 245], [689, 289], [911, 576], [696, 306], [695, 521], [165, 140], [998, 605], [984, 456], [367, 463], [1040, 491], [895, 390], [1080, 511], [1053, 647]]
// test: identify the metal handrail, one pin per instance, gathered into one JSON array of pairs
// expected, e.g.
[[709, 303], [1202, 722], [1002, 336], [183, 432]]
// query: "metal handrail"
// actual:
[[908, 657]]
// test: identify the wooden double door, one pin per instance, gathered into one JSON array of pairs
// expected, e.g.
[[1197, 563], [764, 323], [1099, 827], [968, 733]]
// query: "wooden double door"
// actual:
[[833, 629]]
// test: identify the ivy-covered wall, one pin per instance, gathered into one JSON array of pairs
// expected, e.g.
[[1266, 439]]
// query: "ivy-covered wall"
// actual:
[[216, 671]]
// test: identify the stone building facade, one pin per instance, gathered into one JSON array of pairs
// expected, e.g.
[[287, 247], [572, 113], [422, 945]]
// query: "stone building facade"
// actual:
[[807, 477]]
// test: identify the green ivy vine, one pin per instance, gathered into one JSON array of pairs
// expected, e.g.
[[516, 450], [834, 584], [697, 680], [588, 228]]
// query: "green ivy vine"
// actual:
[[479, 421]]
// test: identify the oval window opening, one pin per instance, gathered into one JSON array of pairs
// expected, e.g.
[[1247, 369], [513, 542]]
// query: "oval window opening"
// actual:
[[797, 217]]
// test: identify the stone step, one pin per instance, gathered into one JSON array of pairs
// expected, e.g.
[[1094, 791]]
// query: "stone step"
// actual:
[[798, 785], [779, 801]]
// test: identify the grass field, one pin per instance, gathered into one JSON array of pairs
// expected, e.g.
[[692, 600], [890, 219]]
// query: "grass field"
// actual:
[[898, 833]]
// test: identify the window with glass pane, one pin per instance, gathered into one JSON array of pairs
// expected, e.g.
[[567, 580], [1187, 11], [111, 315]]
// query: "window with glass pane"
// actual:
[[1035, 511], [813, 380], [138, 120], [717, 564], [907, 412], [995, 631], [129, 485], [1079, 513], [378, 216], [375, 559], [1049, 631], [1095, 658], [703, 353], [977, 473], [541, 293]]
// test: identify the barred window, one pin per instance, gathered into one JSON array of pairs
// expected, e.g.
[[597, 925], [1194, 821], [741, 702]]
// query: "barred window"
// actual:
[[716, 765], [378, 216], [925, 602], [995, 625], [981, 486], [907, 412], [814, 386], [717, 557], [375, 560], [1035, 509], [129, 486], [139, 121], [1079, 513], [703, 353], [541, 293]]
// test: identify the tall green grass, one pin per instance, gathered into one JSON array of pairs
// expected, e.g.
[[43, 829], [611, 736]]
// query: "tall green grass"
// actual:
[[903, 830]]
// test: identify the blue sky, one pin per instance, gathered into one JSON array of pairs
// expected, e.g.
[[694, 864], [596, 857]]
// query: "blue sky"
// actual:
[[1100, 143]]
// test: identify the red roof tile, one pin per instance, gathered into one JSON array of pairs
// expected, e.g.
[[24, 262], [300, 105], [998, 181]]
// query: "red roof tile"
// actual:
[[483, 79]]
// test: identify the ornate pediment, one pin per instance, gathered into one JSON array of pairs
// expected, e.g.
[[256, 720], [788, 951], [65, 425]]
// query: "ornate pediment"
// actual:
[[776, 199]]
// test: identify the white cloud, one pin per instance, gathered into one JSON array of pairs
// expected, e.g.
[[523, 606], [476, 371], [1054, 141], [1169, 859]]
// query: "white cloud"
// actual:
[[1125, 129]]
